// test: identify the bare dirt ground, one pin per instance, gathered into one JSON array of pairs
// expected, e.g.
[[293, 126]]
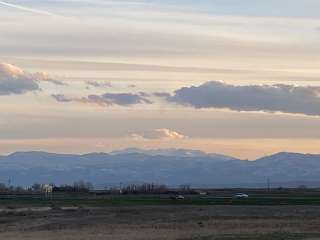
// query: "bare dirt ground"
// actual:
[[161, 222]]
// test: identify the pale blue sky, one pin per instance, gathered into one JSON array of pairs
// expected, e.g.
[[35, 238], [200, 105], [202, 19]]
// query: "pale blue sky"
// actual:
[[285, 8], [279, 8]]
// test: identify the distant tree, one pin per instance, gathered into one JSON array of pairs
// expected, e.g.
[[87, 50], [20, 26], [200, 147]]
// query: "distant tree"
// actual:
[[3, 187], [77, 187], [82, 186], [19, 189], [36, 187], [147, 188]]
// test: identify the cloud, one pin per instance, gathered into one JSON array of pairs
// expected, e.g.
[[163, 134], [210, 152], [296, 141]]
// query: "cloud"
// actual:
[[159, 134], [99, 84], [162, 94], [27, 9], [123, 99], [95, 99], [44, 77], [268, 98], [90, 99], [14, 80], [61, 98], [108, 99]]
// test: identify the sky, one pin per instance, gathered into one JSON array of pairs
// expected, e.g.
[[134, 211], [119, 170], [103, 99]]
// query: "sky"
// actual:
[[236, 77]]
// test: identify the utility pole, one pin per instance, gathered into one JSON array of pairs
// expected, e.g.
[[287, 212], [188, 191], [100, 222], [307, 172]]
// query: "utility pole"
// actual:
[[120, 188], [268, 184]]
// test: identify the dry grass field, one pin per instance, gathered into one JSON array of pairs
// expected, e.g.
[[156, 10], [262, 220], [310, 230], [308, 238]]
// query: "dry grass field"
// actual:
[[162, 223]]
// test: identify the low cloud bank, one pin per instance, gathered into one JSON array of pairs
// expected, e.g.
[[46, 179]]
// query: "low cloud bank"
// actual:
[[268, 98], [107, 99]]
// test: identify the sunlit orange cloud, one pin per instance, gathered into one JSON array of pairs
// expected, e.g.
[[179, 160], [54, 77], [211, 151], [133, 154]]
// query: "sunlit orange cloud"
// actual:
[[242, 148]]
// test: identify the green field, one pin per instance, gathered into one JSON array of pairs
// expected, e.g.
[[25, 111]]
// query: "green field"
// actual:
[[88, 200]]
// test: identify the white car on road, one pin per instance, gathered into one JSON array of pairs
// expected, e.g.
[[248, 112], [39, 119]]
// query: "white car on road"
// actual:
[[241, 195]]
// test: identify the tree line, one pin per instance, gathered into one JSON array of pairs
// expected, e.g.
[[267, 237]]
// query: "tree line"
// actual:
[[87, 187]]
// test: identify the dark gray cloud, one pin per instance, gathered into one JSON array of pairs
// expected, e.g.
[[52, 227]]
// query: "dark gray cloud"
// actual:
[[162, 94], [61, 98], [123, 99], [99, 84], [55, 82], [144, 94], [15, 81], [95, 99], [269, 98], [107, 99]]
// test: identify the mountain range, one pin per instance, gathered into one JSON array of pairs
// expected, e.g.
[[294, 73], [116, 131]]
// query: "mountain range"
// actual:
[[170, 166]]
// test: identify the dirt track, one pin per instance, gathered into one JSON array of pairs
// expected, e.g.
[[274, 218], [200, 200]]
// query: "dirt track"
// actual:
[[157, 222]]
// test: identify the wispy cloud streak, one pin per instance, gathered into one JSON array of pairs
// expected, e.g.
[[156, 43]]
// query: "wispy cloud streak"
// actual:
[[27, 9]]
